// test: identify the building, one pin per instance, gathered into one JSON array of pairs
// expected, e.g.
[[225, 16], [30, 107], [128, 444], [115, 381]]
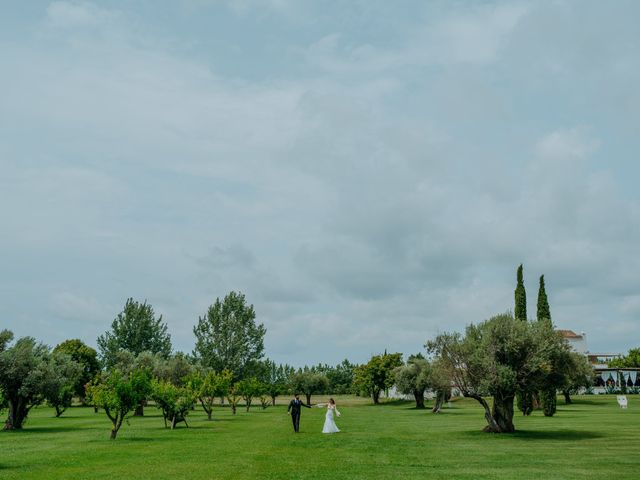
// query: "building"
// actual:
[[605, 377]]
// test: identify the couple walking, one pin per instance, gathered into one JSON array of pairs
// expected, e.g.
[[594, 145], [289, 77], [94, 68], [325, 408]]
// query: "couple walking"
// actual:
[[296, 405]]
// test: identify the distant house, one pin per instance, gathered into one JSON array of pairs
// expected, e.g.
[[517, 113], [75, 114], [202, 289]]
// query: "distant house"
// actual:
[[604, 376], [577, 342]]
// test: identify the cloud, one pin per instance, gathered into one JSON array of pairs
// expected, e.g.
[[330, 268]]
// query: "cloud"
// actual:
[[77, 14], [371, 182]]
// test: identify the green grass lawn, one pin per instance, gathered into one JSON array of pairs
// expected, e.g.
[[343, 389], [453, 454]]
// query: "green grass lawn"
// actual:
[[593, 438]]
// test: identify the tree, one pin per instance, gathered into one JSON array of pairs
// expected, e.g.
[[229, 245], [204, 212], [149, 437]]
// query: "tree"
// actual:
[[248, 389], [377, 375], [276, 379], [309, 383], [548, 395], [60, 381], [137, 330], [175, 402], [520, 311], [440, 383], [525, 394], [630, 360], [119, 393], [234, 397], [412, 378], [23, 371], [174, 370], [84, 355], [207, 385], [543, 311], [497, 358], [341, 378], [227, 337], [579, 375]]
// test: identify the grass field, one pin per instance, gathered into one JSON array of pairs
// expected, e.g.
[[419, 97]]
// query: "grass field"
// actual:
[[593, 438]]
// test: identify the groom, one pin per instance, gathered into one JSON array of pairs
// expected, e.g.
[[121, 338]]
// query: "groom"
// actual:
[[294, 409]]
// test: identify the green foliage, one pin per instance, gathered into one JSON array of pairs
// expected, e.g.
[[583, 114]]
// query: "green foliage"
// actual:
[[543, 310], [119, 393], [24, 369], [276, 379], [248, 389], [227, 337], [499, 357], [309, 383], [377, 375], [630, 360], [61, 379], [207, 385], [174, 369], [549, 401], [234, 397], [341, 378], [520, 311], [174, 402], [413, 378], [135, 329], [84, 355]]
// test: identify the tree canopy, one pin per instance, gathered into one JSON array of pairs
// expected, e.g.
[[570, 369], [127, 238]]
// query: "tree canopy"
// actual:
[[137, 330], [499, 357], [228, 337]]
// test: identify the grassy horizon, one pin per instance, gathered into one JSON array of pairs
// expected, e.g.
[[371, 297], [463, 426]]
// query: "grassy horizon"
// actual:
[[592, 438]]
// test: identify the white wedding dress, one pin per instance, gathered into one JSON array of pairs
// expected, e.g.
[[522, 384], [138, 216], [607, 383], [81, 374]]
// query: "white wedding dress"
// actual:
[[329, 423]]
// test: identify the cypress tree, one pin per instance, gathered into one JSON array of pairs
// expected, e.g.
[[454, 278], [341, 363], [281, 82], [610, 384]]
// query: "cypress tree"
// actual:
[[524, 397], [520, 312], [544, 313]]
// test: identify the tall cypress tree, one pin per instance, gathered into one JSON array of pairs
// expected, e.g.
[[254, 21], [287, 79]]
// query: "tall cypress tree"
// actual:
[[544, 313], [520, 312]]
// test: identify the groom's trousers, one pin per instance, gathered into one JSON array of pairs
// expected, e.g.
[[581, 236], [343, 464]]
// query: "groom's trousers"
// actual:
[[296, 422]]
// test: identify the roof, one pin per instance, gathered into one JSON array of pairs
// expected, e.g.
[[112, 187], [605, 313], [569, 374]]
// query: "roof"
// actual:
[[569, 334]]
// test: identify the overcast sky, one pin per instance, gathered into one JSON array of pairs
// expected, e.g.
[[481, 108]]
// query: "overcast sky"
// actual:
[[369, 173]]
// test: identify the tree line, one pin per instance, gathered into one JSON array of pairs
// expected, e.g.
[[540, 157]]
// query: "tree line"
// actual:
[[504, 362]]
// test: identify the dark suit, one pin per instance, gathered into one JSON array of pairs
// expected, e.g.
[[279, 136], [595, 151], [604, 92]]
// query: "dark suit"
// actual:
[[295, 407]]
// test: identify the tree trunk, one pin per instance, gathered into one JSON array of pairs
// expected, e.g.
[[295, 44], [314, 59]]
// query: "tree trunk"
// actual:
[[59, 410], [114, 432], [17, 415], [233, 408], [376, 396], [419, 396], [567, 396], [139, 412], [308, 395], [273, 400], [438, 402], [209, 412], [502, 412]]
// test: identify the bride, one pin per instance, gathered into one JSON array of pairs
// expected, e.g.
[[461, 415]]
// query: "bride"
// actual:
[[329, 423]]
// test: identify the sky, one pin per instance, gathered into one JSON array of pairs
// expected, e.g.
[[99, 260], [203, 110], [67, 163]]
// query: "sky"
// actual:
[[368, 173]]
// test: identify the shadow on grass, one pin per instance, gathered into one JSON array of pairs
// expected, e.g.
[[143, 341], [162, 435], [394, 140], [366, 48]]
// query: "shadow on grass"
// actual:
[[52, 429], [563, 435], [560, 435]]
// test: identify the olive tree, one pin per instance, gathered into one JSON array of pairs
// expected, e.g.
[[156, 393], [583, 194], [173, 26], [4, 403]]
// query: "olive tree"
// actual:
[[84, 355], [412, 378], [24, 369], [498, 358], [60, 382], [309, 383]]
